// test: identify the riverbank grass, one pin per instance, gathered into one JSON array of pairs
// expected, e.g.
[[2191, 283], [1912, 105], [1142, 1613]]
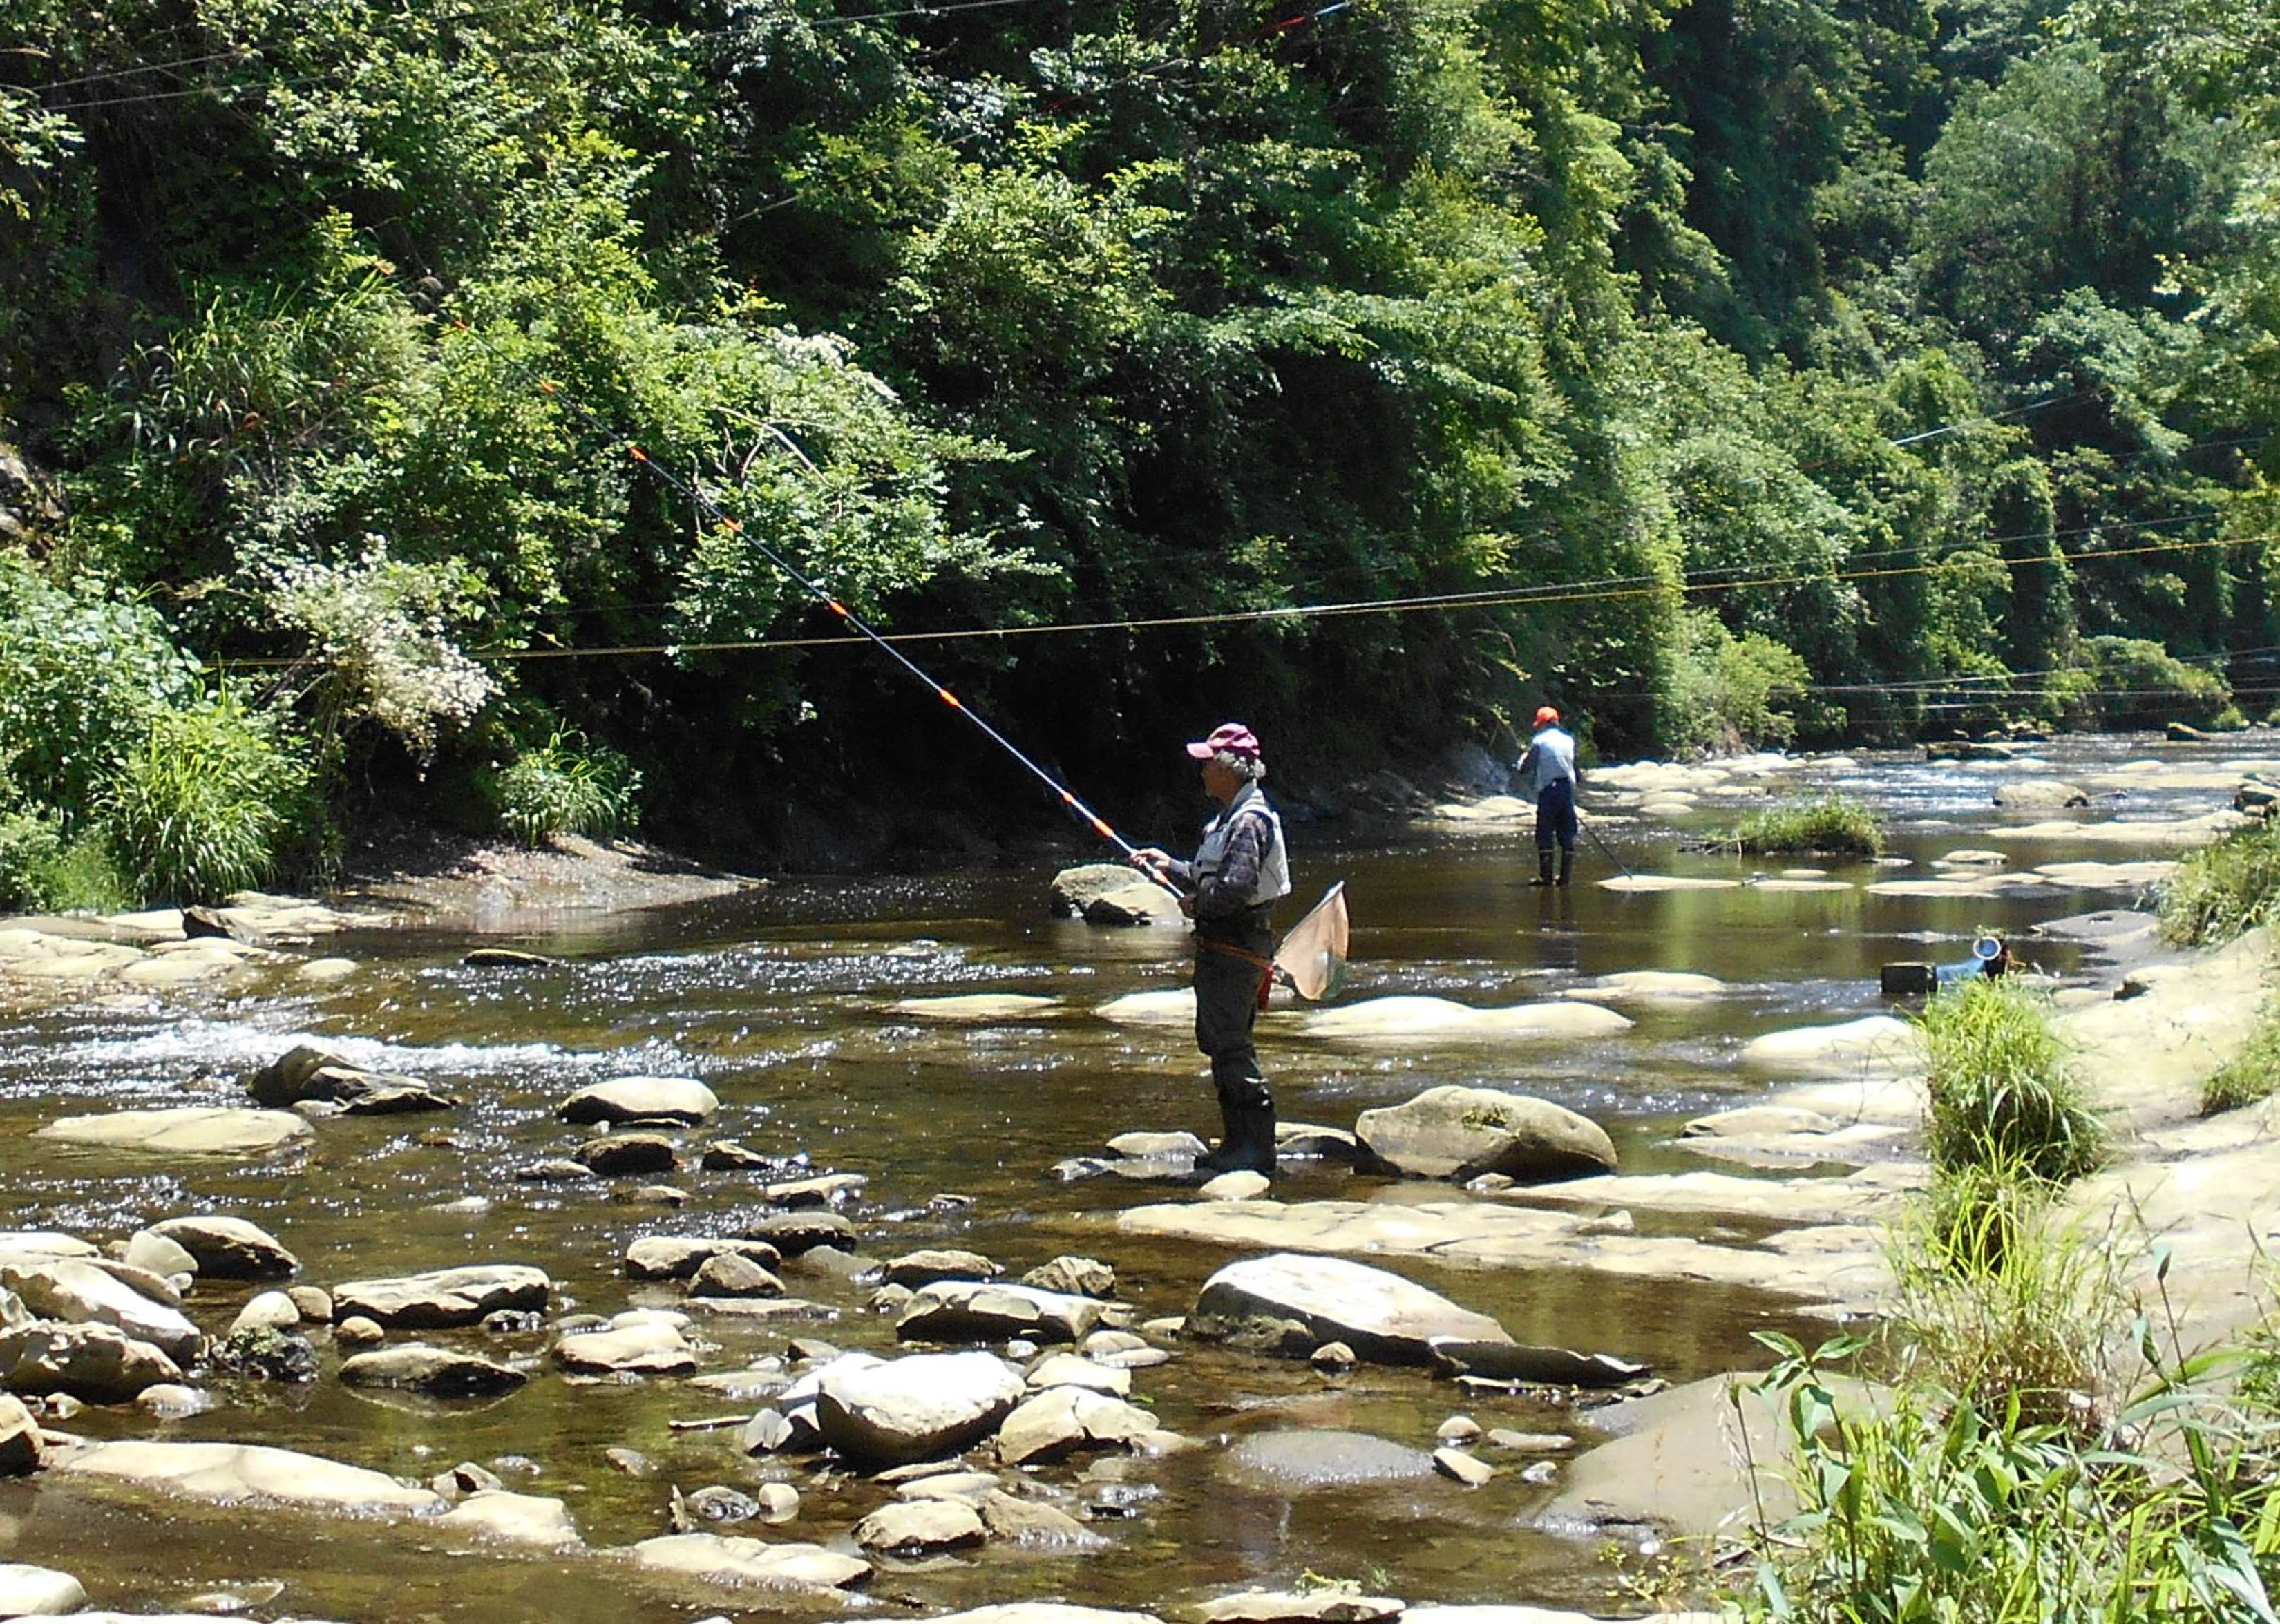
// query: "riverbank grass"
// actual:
[[2223, 889], [2252, 1074], [2002, 1097], [1833, 825]]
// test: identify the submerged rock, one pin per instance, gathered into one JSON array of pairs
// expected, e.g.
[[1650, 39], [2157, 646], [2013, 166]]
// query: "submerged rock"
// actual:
[[516, 1519], [1324, 1459], [1324, 1606], [1655, 985], [1873, 1043], [976, 1006], [1459, 1133], [1292, 1304], [186, 1130], [229, 1472]]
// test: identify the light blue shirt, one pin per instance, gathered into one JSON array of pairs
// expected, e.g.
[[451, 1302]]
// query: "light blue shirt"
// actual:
[[1551, 757]]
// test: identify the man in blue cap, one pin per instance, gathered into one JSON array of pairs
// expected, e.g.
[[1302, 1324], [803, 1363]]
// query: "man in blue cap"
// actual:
[[1239, 872]]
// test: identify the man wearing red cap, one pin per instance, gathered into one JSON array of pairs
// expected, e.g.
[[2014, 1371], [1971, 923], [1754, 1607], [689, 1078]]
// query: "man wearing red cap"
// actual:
[[1548, 777], [1239, 872]]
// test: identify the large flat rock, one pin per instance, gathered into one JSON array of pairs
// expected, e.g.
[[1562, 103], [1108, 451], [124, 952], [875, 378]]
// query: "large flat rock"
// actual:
[[1402, 1017], [1873, 1043], [636, 1099], [1453, 1132], [1828, 1264], [183, 1130], [230, 1472], [1698, 1460], [442, 1297], [1377, 1314]]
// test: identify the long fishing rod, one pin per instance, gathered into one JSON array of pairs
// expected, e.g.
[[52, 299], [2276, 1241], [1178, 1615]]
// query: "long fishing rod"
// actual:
[[695, 494]]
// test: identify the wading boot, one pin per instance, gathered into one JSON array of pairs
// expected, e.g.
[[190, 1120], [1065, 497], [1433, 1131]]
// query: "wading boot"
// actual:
[[1543, 868], [1259, 1139], [1567, 865], [1229, 1156]]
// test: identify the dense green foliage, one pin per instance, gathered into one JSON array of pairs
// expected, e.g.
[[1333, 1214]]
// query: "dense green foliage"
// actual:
[[1748, 374], [2222, 889], [1831, 824], [2000, 1093]]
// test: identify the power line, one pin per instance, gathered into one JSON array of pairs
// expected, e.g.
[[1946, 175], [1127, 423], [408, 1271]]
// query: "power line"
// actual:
[[1522, 598]]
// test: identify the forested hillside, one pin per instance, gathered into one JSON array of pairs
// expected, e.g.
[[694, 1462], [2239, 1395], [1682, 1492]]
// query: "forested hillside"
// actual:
[[1732, 371]]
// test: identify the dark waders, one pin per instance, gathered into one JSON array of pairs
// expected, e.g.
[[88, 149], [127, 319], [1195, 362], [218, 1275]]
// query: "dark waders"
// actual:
[[1227, 988], [1555, 821]]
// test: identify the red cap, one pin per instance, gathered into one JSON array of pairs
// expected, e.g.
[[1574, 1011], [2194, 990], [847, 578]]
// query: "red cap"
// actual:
[[1546, 715], [1233, 737]]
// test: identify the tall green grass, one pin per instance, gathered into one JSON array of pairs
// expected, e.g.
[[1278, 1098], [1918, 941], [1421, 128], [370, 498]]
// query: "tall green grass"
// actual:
[[1997, 1302], [566, 787], [214, 802], [1942, 1505], [1835, 824], [2001, 1096], [2225, 887]]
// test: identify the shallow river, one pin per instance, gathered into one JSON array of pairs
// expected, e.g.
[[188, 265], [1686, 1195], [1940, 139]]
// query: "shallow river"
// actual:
[[779, 1000]]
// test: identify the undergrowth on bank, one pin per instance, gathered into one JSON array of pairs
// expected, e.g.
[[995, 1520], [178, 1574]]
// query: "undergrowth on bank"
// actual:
[[2252, 1074], [566, 787], [2223, 889], [1835, 824], [2001, 1096], [1933, 1502]]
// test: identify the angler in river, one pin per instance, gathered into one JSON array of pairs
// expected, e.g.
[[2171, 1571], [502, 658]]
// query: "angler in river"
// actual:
[[1548, 777], [1239, 872]]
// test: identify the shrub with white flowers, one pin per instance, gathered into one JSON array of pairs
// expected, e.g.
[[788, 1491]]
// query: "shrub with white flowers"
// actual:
[[382, 629]]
